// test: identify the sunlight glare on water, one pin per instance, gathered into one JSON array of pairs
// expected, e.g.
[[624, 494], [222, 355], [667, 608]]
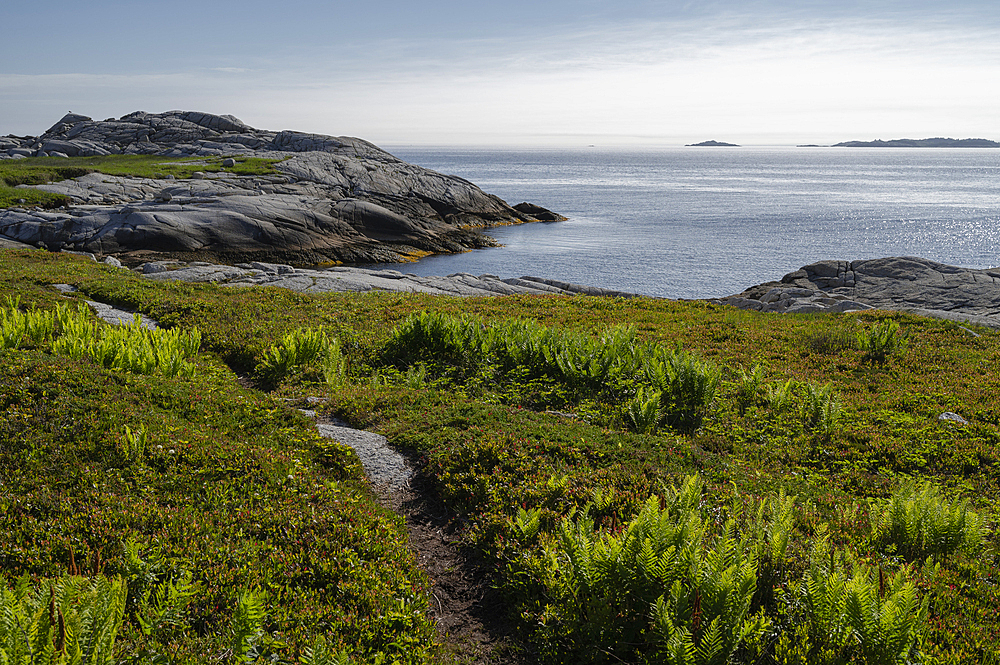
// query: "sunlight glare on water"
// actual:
[[707, 222]]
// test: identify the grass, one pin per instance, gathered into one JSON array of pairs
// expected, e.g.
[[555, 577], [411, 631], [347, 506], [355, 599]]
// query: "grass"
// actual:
[[42, 170], [251, 500]]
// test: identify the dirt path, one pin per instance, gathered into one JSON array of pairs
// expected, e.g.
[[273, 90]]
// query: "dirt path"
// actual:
[[468, 612]]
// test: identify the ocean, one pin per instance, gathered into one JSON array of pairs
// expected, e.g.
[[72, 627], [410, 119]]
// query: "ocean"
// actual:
[[705, 222]]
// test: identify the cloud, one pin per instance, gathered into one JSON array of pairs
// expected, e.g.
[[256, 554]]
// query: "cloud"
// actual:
[[735, 77]]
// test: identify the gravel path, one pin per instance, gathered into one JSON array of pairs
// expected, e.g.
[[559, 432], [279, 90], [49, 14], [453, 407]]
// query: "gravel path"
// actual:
[[385, 467]]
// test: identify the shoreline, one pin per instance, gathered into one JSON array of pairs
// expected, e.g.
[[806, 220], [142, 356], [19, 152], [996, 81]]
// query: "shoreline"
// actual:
[[910, 284]]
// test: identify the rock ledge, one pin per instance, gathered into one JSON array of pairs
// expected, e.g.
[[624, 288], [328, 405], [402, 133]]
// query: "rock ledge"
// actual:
[[903, 283]]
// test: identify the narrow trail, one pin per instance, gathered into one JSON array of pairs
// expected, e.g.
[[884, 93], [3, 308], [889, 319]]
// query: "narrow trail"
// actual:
[[468, 612]]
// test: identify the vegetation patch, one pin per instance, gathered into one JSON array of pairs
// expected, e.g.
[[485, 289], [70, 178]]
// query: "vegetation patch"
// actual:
[[812, 508], [42, 170]]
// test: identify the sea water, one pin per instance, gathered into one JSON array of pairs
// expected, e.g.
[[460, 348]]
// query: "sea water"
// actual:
[[704, 222]]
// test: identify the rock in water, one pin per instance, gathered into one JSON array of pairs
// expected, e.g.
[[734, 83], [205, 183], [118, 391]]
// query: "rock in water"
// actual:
[[336, 199]]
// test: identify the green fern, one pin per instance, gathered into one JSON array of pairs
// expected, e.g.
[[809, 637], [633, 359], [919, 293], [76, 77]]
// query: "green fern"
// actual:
[[334, 364], [526, 524], [297, 348], [166, 606], [321, 653], [781, 397], [748, 387], [687, 386], [247, 624], [880, 341], [70, 620], [820, 409], [918, 521], [643, 411]]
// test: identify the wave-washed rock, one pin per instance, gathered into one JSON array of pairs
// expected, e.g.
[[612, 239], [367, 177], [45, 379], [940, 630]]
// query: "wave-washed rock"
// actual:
[[343, 279], [336, 199], [904, 283]]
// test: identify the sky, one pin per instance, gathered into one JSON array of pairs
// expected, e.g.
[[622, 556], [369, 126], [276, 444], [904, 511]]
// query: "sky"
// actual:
[[517, 72]]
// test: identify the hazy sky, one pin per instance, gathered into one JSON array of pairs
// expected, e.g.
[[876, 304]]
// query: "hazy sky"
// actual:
[[518, 71]]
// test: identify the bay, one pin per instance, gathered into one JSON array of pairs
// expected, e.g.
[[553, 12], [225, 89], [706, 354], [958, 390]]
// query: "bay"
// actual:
[[704, 222]]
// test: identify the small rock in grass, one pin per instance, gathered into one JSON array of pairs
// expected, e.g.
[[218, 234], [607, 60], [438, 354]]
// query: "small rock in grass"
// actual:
[[949, 417]]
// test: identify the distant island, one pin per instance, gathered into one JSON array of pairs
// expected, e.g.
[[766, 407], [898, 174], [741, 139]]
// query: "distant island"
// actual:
[[712, 144], [920, 143]]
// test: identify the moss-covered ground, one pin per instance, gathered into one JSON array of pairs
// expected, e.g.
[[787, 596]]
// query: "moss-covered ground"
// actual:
[[237, 489]]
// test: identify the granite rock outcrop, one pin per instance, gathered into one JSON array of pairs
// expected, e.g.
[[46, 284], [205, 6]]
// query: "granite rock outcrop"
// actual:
[[344, 279], [335, 199], [903, 283]]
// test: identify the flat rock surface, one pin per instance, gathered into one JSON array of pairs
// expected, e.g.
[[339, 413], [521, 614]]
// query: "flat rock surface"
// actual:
[[346, 279], [335, 199], [904, 283]]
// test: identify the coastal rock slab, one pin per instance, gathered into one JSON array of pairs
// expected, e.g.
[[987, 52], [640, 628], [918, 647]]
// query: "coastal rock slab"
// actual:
[[342, 279], [904, 283], [335, 199]]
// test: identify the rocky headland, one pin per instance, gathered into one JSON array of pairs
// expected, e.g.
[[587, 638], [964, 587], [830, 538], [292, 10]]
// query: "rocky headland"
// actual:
[[333, 199]]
